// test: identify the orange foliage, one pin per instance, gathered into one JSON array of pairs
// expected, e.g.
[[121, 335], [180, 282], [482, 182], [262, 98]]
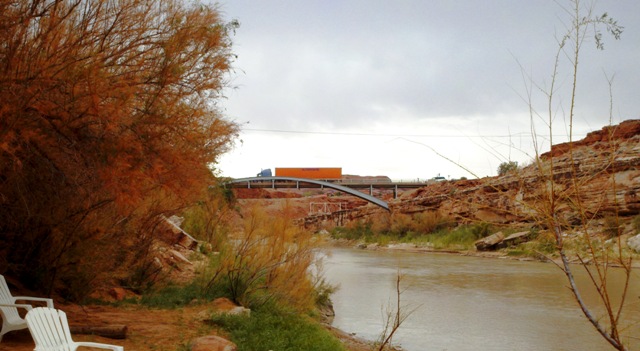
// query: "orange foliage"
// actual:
[[107, 108]]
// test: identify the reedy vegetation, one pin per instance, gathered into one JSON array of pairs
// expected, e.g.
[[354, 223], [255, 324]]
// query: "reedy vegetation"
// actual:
[[269, 260]]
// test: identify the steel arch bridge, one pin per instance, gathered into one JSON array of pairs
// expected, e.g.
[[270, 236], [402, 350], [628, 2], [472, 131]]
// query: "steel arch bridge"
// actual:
[[322, 184]]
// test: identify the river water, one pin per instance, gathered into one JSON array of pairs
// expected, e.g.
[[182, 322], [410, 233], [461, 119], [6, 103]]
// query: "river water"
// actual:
[[469, 303]]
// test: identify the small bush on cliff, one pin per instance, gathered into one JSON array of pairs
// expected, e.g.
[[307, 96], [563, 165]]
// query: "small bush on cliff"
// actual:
[[506, 167]]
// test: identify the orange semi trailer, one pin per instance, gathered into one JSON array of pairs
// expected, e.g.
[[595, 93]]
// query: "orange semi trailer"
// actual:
[[311, 173]]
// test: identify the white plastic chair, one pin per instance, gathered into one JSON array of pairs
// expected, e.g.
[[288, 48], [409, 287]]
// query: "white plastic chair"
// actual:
[[50, 331], [11, 319]]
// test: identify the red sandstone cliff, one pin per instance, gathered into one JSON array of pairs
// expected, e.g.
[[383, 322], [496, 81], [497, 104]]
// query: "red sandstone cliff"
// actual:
[[599, 174]]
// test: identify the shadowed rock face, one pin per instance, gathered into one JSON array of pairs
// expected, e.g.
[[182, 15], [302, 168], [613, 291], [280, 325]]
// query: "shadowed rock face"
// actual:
[[600, 174]]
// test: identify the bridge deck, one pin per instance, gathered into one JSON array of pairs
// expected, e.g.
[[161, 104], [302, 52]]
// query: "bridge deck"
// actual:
[[291, 182]]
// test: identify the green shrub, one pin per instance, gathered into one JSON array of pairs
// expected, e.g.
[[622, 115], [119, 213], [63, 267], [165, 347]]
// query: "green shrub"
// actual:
[[612, 228], [172, 296], [322, 292], [507, 167], [463, 236], [546, 243], [459, 238], [481, 230], [354, 231], [274, 328]]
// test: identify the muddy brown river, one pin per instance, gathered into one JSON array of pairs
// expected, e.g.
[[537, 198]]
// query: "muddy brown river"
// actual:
[[470, 303]]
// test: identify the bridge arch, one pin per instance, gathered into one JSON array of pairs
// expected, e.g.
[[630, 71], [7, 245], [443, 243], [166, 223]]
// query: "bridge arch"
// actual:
[[344, 189]]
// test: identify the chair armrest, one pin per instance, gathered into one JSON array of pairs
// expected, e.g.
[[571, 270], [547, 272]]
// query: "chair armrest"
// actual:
[[99, 345], [17, 305], [29, 298]]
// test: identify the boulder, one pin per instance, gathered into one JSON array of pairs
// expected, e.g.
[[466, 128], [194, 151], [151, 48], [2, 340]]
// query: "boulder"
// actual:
[[178, 258], [634, 243], [516, 238], [118, 293], [176, 220], [327, 313], [212, 343], [223, 305], [489, 243], [172, 234]]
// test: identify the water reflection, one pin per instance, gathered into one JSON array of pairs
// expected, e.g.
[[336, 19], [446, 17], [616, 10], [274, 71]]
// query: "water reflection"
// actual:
[[467, 303]]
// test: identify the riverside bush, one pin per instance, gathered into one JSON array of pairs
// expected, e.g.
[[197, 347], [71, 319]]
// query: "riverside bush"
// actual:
[[389, 227], [461, 237], [430, 221]]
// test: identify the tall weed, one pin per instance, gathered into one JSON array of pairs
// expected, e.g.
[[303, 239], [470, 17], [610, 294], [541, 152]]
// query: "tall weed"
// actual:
[[269, 261]]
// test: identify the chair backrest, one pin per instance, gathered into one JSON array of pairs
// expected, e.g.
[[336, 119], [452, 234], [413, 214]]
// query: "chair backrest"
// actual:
[[5, 294], [50, 329], [10, 313]]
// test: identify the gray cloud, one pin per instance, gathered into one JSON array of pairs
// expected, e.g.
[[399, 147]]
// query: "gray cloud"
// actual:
[[350, 65]]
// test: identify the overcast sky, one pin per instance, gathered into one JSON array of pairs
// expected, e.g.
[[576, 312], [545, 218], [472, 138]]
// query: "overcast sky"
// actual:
[[409, 88]]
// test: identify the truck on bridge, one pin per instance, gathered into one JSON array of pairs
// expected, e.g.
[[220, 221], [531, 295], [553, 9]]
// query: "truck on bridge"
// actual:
[[319, 173]]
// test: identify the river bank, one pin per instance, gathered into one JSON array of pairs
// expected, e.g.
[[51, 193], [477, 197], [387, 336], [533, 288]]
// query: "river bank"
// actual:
[[151, 329], [498, 254]]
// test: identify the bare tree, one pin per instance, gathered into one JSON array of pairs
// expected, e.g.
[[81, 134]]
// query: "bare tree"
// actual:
[[556, 194], [394, 317]]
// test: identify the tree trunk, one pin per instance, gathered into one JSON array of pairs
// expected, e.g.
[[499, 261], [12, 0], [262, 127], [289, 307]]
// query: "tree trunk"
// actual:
[[107, 331]]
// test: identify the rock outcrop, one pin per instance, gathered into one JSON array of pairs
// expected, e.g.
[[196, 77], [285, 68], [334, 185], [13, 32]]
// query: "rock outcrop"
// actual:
[[212, 343], [490, 242], [634, 243], [599, 174]]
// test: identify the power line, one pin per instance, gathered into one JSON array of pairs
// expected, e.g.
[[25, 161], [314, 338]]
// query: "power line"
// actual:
[[521, 134], [384, 135]]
